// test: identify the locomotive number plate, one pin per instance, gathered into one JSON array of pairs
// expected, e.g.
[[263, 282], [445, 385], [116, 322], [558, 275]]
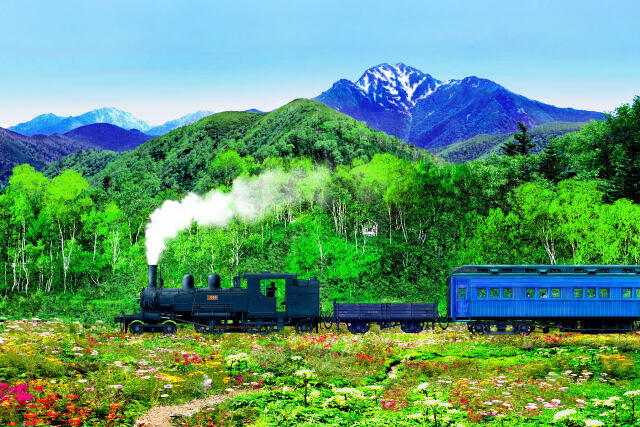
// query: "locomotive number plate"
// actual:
[[212, 297]]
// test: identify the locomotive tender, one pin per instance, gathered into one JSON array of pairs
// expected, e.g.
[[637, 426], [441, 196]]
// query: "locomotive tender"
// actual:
[[491, 299]]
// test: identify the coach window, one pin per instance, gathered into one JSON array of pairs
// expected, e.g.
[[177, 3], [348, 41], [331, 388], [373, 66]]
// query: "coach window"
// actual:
[[531, 293], [555, 293], [494, 293], [462, 292], [482, 293], [604, 293], [578, 293], [637, 292], [543, 293], [507, 293], [626, 293], [591, 292]]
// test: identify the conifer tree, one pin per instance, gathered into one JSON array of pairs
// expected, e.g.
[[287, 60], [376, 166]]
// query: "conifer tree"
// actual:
[[521, 145], [552, 164]]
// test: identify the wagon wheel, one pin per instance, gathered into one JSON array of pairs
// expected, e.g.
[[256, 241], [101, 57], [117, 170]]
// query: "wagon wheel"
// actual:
[[304, 326], [364, 327], [169, 328], [411, 327], [136, 328], [358, 327]]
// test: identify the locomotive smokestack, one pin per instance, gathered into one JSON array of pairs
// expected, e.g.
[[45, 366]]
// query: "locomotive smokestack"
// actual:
[[153, 275]]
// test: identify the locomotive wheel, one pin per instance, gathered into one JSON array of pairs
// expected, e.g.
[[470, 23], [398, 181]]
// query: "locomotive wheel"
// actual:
[[136, 328], [265, 329], [169, 328], [214, 328], [201, 329], [304, 326]]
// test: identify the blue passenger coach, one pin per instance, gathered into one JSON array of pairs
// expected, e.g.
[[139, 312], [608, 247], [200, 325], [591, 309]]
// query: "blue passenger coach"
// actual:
[[512, 299]]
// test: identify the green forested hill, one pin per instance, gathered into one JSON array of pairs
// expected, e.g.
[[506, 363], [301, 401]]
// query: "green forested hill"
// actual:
[[481, 146], [181, 160]]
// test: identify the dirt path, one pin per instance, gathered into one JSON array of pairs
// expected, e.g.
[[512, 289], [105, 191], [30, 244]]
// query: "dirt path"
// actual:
[[160, 416]]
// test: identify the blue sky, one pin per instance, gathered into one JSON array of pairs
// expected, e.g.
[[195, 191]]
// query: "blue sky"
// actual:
[[162, 59]]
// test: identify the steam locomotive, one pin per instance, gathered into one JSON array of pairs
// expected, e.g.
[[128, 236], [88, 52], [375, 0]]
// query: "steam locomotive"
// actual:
[[491, 299], [216, 310]]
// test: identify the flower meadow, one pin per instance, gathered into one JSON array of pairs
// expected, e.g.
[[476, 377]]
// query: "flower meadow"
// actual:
[[55, 373]]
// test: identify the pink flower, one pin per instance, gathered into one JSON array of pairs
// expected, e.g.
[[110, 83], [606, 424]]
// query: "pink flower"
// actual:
[[168, 386]]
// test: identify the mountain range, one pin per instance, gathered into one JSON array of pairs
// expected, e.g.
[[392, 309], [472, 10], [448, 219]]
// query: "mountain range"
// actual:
[[49, 124], [38, 150], [429, 113]]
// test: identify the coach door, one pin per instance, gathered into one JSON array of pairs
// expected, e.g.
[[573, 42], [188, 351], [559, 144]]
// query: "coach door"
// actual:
[[462, 299]]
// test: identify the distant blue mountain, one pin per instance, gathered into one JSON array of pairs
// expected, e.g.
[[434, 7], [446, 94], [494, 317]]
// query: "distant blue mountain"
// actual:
[[48, 124], [108, 137], [174, 124], [414, 106]]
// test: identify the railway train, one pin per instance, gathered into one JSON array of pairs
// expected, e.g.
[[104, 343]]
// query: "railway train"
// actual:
[[490, 299]]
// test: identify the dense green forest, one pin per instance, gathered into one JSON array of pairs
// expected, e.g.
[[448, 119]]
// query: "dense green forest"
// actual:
[[389, 224], [485, 145]]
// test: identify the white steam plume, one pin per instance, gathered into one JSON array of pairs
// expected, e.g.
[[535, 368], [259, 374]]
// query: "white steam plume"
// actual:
[[249, 199]]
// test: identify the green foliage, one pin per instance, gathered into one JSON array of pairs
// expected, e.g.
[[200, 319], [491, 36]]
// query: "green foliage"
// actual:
[[609, 152]]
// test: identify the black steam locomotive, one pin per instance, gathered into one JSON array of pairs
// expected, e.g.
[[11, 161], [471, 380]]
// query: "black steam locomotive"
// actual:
[[250, 308]]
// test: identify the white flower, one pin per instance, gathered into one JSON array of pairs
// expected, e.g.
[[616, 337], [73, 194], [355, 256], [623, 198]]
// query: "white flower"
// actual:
[[418, 415], [232, 359], [593, 423], [296, 357], [164, 395], [348, 391], [564, 414], [631, 393], [305, 373], [82, 380], [422, 386]]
